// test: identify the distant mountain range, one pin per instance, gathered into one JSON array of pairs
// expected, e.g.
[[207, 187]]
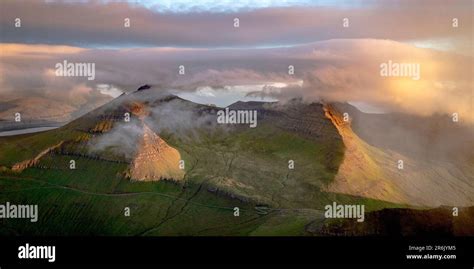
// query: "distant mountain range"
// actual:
[[41, 111]]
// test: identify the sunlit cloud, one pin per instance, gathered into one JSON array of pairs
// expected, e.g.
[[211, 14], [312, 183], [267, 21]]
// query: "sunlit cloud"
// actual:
[[247, 74]]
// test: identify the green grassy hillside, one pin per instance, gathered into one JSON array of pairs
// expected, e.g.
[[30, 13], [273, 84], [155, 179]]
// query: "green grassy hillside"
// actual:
[[225, 168]]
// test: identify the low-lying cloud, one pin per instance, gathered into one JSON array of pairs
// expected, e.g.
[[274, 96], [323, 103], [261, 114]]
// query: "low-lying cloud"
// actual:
[[122, 140]]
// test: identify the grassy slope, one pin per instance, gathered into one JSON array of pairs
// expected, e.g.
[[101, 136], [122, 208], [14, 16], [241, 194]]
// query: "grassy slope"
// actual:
[[14, 149], [250, 164]]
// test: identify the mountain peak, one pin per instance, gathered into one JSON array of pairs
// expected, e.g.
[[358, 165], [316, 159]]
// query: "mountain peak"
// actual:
[[143, 87]]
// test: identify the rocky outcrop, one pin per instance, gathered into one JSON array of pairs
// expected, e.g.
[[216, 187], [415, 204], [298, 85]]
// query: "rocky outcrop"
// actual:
[[18, 167], [155, 160]]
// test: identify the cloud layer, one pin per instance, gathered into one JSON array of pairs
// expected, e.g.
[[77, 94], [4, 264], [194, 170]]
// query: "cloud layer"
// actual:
[[98, 24], [331, 62], [336, 70]]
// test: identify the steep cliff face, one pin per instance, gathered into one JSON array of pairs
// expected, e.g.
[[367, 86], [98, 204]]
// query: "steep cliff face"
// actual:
[[155, 159], [360, 172], [373, 172]]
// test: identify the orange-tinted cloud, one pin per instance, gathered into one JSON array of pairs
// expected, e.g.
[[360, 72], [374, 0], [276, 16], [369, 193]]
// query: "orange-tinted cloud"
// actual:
[[337, 70]]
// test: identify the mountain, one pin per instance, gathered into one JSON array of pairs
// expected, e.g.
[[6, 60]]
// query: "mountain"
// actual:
[[41, 111], [180, 172], [437, 157], [33, 110]]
